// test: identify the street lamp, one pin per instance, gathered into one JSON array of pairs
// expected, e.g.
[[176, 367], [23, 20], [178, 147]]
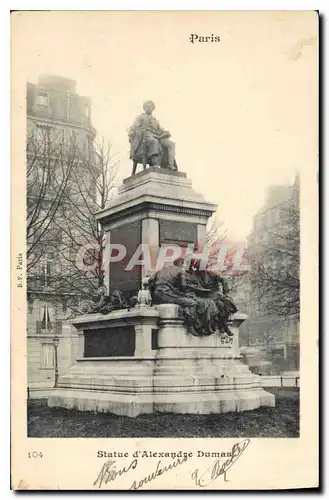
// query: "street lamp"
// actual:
[[56, 342]]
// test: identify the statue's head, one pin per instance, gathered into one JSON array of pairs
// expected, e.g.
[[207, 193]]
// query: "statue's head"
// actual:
[[101, 290], [148, 107], [145, 282], [179, 262]]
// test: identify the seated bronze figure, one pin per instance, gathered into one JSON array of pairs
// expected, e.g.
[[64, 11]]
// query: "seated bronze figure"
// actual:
[[149, 143]]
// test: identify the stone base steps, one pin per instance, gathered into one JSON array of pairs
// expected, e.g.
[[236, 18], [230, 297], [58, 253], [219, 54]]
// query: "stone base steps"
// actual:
[[197, 375], [132, 405], [131, 394]]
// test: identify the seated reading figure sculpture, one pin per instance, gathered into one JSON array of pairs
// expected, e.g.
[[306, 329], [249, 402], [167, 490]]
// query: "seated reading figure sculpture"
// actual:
[[205, 309], [150, 144], [217, 290]]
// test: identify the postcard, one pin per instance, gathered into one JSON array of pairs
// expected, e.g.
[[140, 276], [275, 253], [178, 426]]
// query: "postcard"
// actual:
[[164, 250]]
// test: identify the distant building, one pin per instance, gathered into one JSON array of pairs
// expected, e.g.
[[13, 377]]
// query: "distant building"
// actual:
[[279, 334], [53, 108], [53, 101]]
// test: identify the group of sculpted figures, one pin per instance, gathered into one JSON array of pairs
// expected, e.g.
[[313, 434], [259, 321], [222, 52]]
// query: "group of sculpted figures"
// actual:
[[150, 144], [203, 297]]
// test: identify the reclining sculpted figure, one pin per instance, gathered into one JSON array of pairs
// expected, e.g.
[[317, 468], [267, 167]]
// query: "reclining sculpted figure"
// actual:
[[204, 310]]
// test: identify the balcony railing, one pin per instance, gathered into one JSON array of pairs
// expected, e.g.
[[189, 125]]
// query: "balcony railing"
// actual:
[[55, 327]]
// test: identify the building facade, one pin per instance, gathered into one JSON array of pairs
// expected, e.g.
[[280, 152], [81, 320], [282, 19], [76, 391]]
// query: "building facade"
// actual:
[[273, 245], [56, 115]]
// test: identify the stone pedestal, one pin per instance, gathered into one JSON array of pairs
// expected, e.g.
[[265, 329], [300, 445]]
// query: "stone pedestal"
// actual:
[[102, 381], [155, 208], [144, 360], [185, 374], [202, 374]]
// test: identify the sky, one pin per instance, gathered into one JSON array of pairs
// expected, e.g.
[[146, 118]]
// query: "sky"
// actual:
[[242, 112]]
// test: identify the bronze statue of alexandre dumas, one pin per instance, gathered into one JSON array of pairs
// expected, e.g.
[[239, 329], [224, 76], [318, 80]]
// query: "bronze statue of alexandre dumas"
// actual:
[[150, 144]]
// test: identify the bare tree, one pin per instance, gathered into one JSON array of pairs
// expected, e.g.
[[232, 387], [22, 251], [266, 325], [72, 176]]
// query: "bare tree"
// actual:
[[217, 237], [51, 158], [216, 234], [91, 189], [275, 267]]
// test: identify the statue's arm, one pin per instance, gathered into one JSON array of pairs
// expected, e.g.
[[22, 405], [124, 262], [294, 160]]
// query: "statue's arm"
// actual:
[[182, 280], [160, 130], [163, 134]]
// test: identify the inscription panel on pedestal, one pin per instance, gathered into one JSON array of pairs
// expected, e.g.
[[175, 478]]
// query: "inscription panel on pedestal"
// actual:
[[181, 233], [111, 342]]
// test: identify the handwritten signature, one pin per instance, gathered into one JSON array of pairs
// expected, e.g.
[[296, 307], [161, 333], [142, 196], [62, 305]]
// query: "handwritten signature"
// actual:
[[109, 472], [158, 472], [219, 467]]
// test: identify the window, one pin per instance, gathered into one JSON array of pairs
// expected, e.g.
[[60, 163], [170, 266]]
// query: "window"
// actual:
[[42, 99], [47, 355], [87, 110], [47, 272], [45, 322]]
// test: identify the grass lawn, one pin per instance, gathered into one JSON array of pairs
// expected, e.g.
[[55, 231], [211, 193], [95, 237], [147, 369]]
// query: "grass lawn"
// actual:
[[281, 421]]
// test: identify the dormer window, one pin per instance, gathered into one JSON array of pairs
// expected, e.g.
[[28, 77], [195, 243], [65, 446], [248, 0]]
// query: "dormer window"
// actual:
[[42, 99]]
